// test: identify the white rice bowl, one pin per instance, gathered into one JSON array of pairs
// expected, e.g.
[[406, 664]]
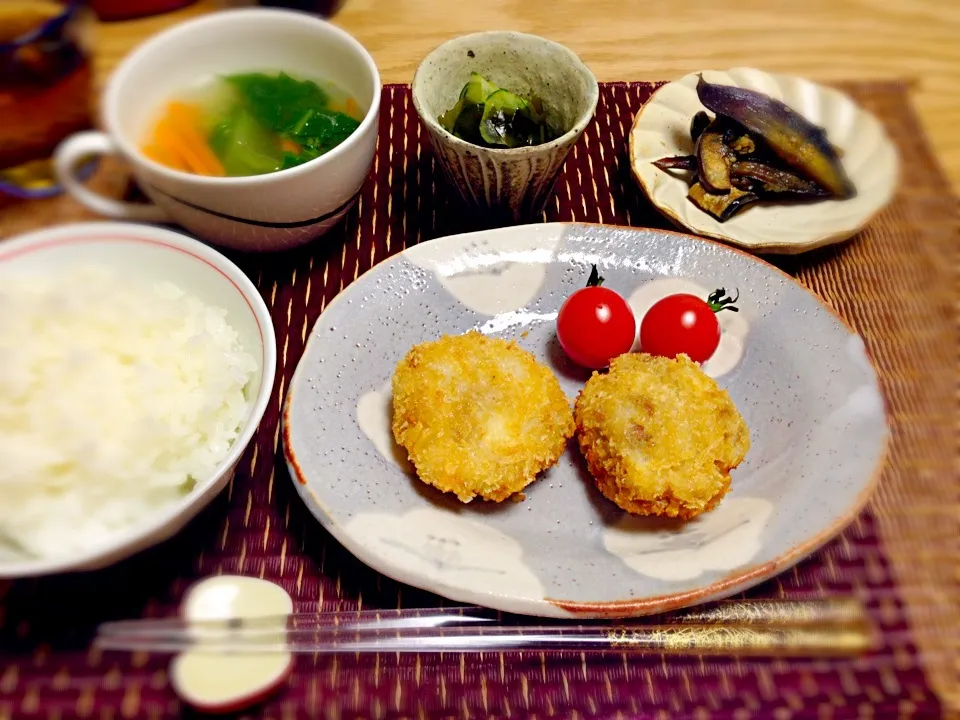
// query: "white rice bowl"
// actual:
[[135, 364]]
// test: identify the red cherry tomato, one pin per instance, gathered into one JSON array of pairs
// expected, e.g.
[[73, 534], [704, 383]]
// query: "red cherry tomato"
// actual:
[[680, 324], [595, 325]]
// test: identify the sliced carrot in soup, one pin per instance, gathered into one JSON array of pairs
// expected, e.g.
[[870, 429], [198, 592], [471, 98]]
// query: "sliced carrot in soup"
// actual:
[[179, 140]]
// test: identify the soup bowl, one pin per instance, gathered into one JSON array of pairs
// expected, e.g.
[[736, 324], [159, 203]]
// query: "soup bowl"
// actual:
[[274, 211]]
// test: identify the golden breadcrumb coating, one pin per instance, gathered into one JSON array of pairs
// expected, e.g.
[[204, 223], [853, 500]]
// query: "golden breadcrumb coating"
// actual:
[[659, 435], [478, 416]]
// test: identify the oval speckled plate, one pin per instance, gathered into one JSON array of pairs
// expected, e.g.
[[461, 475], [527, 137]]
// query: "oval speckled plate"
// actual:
[[662, 128], [800, 377]]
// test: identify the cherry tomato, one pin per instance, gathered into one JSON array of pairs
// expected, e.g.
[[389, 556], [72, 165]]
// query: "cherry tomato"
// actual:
[[685, 324], [595, 325]]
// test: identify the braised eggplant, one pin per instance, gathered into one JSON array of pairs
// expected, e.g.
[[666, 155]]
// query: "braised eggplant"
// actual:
[[735, 135], [677, 162], [742, 145], [755, 148], [722, 207], [713, 160], [797, 141], [699, 123], [767, 180]]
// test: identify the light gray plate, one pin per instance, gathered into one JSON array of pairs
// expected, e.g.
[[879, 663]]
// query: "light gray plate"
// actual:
[[800, 377]]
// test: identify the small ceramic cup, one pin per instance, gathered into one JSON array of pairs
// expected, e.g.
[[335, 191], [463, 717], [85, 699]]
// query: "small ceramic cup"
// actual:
[[274, 211], [505, 185]]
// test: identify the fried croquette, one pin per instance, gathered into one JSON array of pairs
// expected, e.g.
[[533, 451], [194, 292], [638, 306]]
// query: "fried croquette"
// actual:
[[659, 435], [478, 416]]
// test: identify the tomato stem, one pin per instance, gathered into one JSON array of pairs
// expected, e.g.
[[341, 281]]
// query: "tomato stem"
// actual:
[[594, 280], [717, 302]]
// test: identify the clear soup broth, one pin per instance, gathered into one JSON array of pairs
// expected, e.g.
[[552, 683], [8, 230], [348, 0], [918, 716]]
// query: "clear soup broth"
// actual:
[[251, 124]]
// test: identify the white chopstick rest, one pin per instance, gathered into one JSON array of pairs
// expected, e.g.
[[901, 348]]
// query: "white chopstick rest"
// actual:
[[222, 683]]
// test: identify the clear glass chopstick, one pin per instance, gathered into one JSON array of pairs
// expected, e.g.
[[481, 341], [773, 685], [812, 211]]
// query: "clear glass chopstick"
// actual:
[[670, 639], [745, 626], [839, 611]]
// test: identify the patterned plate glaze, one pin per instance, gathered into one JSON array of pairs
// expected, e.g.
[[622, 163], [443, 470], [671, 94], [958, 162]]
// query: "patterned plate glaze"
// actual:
[[799, 375], [662, 128]]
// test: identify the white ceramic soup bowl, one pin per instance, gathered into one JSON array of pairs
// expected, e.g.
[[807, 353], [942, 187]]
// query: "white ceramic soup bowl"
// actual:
[[275, 211], [151, 253]]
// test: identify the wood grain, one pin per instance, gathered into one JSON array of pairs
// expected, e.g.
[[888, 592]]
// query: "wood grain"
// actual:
[[632, 40]]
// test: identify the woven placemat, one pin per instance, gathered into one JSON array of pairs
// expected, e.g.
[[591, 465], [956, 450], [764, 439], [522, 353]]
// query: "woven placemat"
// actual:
[[894, 283]]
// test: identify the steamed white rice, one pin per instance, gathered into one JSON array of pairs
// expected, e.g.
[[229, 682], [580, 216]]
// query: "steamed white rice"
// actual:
[[116, 396]]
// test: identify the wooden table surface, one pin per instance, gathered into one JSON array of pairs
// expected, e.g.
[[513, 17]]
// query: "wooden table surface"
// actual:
[[637, 40]]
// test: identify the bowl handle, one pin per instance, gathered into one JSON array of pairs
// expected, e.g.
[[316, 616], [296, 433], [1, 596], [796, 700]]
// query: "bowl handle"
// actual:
[[77, 149]]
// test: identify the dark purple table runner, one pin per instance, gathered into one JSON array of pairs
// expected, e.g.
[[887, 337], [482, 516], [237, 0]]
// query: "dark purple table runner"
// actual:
[[259, 527]]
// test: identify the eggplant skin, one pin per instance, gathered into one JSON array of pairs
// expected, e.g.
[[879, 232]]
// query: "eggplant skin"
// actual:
[[677, 162], [773, 181], [797, 141], [722, 207], [700, 122]]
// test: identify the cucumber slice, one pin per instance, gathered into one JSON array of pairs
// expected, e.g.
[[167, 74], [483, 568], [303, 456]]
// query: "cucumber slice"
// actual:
[[478, 89], [506, 100], [471, 97], [448, 119]]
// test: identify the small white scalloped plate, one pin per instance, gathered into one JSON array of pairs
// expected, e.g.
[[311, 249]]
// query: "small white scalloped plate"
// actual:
[[662, 128]]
